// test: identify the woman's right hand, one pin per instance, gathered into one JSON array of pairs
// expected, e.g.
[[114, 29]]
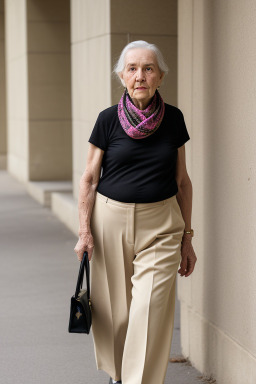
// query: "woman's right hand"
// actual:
[[85, 243]]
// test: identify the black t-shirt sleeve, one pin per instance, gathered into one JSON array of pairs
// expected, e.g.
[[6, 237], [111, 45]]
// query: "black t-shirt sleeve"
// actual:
[[183, 135], [99, 136]]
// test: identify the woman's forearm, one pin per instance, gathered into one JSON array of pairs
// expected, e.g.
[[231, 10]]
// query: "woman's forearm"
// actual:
[[188, 256], [184, 198], [86, 201]]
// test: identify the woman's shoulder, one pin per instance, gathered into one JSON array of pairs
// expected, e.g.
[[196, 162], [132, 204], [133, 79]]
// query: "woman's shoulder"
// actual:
[[109, 113], [172, 110]]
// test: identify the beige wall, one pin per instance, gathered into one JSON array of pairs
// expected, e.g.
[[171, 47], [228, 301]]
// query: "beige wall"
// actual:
[[3, 138], [39, 89], [17, 87], [100, 30], [216, 87]]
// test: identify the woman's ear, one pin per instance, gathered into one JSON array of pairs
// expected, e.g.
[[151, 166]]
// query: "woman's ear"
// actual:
[[161, 78], [120, 74]]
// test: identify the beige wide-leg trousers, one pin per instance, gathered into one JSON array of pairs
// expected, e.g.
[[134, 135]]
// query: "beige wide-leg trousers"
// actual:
[[133, 272]]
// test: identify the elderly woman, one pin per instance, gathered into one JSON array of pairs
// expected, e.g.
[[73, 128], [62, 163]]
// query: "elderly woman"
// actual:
[[135, 217]]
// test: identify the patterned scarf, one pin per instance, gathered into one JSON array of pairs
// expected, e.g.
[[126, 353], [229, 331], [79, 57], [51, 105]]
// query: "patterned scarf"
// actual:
[[137, 123]]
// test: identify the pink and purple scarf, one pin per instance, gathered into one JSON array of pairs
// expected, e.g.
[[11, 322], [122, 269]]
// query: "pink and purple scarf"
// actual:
[[137, 123]]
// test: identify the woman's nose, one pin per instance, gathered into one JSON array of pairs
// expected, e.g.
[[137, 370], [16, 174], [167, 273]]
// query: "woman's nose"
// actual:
[[140, 75]]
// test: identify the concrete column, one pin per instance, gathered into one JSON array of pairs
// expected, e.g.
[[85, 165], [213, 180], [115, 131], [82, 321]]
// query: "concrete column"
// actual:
[[217, 82], [17, 88], [49, 79], [91, 73], [3, 138], [39, 88]]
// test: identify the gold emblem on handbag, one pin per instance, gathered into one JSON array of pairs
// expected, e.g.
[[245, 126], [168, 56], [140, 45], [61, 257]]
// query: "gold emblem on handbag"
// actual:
[[78, 314], [80, 308]]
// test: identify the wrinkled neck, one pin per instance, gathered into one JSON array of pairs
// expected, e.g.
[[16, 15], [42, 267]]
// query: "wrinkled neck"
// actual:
[[142, 104]]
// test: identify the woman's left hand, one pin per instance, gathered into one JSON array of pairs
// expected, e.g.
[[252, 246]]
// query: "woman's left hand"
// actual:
[[188, 257]]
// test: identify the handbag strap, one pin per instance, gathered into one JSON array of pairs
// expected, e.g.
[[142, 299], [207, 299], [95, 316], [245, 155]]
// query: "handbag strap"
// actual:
[[84, 265]]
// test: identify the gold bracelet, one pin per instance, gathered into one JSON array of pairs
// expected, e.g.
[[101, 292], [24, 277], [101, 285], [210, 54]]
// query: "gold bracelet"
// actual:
[[190, 232]]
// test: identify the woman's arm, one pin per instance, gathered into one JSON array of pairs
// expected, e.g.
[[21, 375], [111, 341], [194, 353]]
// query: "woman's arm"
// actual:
[[184, 195], [184, 198], [86, 199]]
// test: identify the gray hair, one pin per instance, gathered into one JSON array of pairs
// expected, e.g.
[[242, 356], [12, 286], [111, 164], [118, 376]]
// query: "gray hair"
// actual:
[[119, 67]]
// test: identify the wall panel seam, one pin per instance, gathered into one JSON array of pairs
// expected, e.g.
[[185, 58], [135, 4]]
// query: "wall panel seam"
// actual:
[[49, 21], [218, 329], [90, 38], [144, 34], [52, 53]]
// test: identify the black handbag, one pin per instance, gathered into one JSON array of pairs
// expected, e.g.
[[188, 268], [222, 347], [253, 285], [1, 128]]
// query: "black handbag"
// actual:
[[80, 308]]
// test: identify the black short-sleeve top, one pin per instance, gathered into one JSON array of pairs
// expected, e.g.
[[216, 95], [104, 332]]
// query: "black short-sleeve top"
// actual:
[[139, 170]]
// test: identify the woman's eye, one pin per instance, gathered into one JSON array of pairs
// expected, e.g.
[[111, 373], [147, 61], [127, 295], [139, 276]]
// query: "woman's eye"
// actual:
[[132, 69], [148, 69]]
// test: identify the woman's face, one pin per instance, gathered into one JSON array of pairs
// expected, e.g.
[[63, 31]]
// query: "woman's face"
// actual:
[[141, 75]]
